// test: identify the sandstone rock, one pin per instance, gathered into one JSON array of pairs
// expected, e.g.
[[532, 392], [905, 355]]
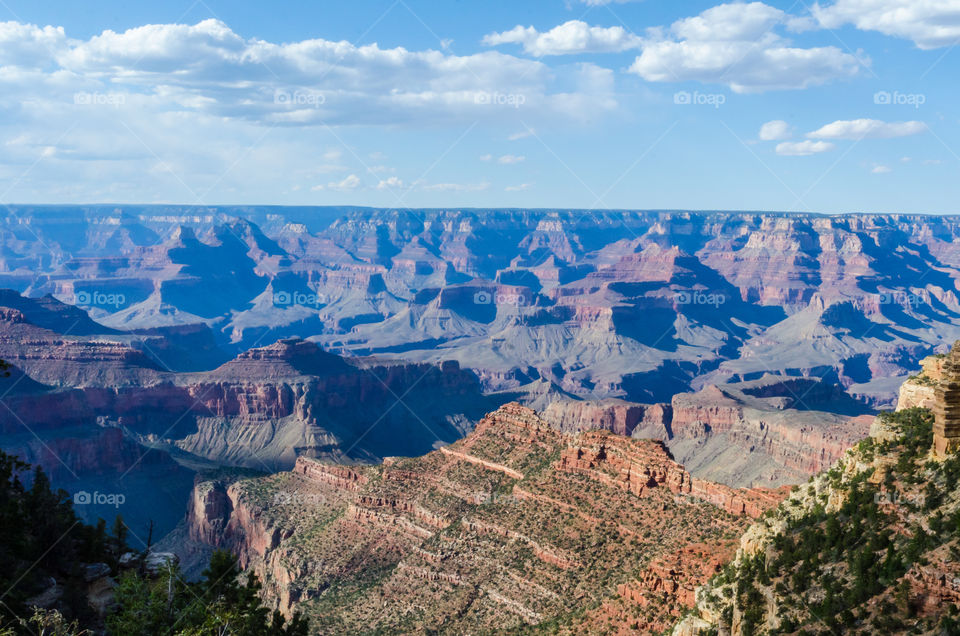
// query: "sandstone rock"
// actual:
[[946, 408], [522, 518]]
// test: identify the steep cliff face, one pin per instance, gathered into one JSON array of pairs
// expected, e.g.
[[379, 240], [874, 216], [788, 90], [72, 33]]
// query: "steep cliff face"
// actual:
[[100, 416], [918, 390], [636, 305], [759, 432], [500, 529], [867, 547], [616, 416], [261, 410], [749, 433]]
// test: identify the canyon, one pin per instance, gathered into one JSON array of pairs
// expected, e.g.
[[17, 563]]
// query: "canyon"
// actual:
[[636, 305], [500, 407], [101, 410], [100, 414], [513, 525]]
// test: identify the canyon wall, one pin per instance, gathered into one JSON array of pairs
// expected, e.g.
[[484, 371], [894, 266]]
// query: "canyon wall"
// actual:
[[492, 532]]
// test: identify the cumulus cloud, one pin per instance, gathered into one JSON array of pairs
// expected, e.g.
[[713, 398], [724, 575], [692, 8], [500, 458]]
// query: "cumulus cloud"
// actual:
[[867, 129], [510, 159], [929, 24], [881, 169], [518, 188], [737, 45], [187, 112], [570, 37], [209, 68], [350, 182], [803, 148], [391, 183], [775, 130], [29, 46]]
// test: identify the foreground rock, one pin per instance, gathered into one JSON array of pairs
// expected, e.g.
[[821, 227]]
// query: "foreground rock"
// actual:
[[869, 546], [517, 524]]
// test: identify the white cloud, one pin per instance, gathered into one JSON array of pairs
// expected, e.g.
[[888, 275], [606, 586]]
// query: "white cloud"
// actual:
[[736, 44], [601, 3], [391, 183], [29, 46], [521, 135], [195, 113], [929, 23], [867, 129], [518, 188], [456, 187], [207, 67], [881, 170], [570, 37], [486, 157], [351, 182], [775, 130], [510, 159], [803, 148]]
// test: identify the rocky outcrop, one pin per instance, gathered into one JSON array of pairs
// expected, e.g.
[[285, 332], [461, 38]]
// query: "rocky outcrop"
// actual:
[[340, 477], [640, 469], [935, 585], [615, 416], [209, 512], [918, 390], [498, 530], [756, 418], [946, 406], [887, 478]]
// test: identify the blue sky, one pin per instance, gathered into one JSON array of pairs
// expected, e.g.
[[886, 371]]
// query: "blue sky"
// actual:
[[843, 106]]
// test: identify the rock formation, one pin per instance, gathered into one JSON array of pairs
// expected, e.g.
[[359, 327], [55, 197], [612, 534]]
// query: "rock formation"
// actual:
[[510, 526], [626, 304], [864, 546], [946, 408]]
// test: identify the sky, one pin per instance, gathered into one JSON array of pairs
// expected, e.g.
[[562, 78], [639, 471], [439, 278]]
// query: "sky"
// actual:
[[837, 106]]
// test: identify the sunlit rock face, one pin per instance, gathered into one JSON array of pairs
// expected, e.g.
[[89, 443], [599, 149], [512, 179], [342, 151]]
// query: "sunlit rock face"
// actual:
[[635, 305], [946, 408]]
